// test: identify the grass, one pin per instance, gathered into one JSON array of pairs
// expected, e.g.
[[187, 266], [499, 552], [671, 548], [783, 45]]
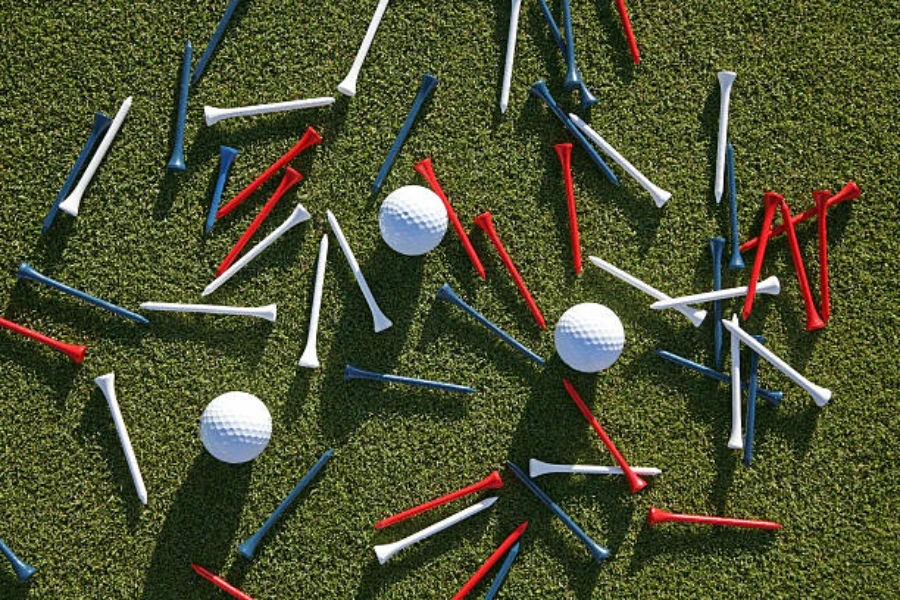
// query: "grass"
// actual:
[[814, 105]]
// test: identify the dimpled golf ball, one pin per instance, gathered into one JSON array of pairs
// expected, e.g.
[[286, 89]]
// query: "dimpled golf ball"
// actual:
[[236, 427], [589, 337], [413, 220]]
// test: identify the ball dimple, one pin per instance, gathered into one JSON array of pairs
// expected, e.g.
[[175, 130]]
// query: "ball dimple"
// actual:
[[589, 337], [236, 427], [412, 220]]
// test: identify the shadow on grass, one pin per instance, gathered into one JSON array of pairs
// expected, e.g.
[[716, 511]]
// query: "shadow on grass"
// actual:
[[94, 320], [507, 292], [374, 194], [611, 22], [396, 283], [199, 528], [689, 540], [376, 577], [50, 246], [56, 370], [545, 431], [553, 192], [11, 589], [473, 336], [97, 424], [554, 61], [200, 45], [280, 255], [242, 336]]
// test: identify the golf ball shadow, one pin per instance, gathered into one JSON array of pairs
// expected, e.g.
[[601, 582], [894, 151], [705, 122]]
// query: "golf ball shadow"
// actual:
[[589, 337], [236, 427], [412, 220]]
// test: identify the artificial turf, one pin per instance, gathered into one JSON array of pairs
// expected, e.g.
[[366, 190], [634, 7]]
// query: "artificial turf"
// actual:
[[814, 105]]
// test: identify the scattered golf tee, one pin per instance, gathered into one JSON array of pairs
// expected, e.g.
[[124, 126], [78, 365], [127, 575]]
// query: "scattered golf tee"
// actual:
[[351, 372], [26, 271], [220, 583], [656, 516], [597, 551], [589, 337], [659, 195], [726, 80], [769, 285], [486, 223], [737, 261], [717, 247], [101, 124], [268, 312], [107, 385], [572, 74], [248, 548], [310, 138], [491, 482], [445, 292], [814, 321], [635, 483], [736, 439], [426, 170], [213, 41], [629, 33], [564, 153], [751, 402], [502, 572], [429, 82], [772, 397], [493, 559], [23, 570], [510, 54], [587, 98], [412, 220], [850, 191], [298, 216], [213, 115], [290, 179], [540, 90], [74, 352], [348, 85], [380, 320], [235, 427], [821, 200], [310, 358], [176, 161], [73, 201], [537, 468], [226, 159], [819, 394], [384, 552], [695, 315], [770, 203]]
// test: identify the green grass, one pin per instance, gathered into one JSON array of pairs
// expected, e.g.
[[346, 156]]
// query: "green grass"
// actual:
[[814, 105]]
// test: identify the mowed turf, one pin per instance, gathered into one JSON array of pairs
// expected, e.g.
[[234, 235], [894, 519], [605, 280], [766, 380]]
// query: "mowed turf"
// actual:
[[814, 105]]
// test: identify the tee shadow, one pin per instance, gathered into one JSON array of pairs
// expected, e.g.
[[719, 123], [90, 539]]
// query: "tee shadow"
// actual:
[[654, 541]]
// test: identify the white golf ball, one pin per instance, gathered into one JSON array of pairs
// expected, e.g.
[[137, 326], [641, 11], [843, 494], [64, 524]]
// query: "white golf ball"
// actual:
[[589, 337], [413, 220], [236, 427]]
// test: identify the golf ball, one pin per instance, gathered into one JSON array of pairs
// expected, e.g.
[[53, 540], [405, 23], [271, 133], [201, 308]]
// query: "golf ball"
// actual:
[[236, 427], [413, 220], [589, 337]]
